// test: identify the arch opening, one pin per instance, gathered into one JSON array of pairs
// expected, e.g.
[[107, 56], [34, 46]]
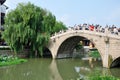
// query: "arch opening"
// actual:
[[68, 48], [115, 63], [47, 53]]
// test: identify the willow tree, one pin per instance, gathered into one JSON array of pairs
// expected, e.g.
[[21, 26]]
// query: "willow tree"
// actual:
[[58, 26], [28, 26]]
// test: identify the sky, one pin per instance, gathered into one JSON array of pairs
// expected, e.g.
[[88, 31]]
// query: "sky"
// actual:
[[71, 12]]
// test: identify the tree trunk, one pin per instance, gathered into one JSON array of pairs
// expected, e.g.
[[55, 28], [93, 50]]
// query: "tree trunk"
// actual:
[[36, 53]]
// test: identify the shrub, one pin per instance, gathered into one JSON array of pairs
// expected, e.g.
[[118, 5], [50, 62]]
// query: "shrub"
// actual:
[[94, 54], [9, 60], [105, 77]]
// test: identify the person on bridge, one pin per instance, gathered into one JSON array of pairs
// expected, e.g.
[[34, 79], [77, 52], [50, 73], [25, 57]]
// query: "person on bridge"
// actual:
[[115, 31], [91, 27]]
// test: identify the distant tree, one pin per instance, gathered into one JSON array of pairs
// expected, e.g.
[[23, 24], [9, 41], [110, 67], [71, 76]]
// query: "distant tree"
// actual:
[[78, 46], [29, 26], [59, 26]]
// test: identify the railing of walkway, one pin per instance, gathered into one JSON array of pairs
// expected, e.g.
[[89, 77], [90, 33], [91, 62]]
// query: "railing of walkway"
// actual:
[[105, 32]]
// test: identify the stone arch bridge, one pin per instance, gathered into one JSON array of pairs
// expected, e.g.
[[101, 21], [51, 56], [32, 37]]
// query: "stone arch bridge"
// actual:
[[108, 45]]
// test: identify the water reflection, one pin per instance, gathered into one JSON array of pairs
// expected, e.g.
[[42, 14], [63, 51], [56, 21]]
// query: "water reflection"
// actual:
[[54, 71], [34, 69], [78, 69], [48, 69], [115, 72]]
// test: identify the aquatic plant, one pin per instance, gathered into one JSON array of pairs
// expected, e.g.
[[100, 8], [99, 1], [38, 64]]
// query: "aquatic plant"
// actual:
[[9, 60], [105, 77], [94, 54]]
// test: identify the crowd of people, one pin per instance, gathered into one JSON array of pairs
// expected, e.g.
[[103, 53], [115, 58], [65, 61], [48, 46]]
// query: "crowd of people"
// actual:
[[98, 28]]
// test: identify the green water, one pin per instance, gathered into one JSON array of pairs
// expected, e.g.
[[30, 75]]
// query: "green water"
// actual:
[[60, 69]]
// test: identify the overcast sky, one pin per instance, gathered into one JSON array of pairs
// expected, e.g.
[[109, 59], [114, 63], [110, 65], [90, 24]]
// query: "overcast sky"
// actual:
[[72, 12]]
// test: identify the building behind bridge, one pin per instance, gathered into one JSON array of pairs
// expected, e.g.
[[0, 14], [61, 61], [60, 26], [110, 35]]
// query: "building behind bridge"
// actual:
[[3, 9]]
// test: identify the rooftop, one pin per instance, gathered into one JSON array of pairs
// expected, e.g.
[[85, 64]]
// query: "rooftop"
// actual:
[[2, 1]]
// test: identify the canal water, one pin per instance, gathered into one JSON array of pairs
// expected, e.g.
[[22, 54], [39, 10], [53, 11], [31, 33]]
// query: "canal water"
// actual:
[[59, 69]]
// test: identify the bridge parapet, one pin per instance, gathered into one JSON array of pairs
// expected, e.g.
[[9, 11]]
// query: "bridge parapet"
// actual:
[[87, 32]]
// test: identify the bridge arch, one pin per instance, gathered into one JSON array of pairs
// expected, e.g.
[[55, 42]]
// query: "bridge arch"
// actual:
[[107, 44], [47, 53], [115, 63], [64, 44], [66, 48]]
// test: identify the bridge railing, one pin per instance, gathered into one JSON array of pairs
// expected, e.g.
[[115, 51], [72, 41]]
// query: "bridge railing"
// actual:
[[105, 31]]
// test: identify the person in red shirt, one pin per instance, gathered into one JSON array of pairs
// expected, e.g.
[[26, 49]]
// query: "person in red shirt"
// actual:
[[91, 27]]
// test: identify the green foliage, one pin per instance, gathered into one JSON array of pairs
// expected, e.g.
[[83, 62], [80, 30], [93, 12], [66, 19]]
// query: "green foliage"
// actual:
[[78, 46], [103, 78], [97, 75], [9, 60], [29, 26], [94, 54], [58, 26]]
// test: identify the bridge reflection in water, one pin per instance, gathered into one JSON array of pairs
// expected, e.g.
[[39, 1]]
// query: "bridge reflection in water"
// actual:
[[48, 69]]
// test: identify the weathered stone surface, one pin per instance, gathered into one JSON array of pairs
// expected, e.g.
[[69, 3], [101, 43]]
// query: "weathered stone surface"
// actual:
[[107, 44]]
